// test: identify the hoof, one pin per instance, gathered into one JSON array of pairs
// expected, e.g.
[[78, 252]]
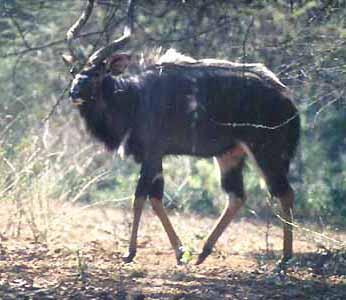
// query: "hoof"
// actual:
[[286, 260], [129, 257], [179, 256], [283, 264], [202, 256]]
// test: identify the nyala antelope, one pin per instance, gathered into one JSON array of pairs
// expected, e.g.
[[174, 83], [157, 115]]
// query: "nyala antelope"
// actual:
[[182, 106]]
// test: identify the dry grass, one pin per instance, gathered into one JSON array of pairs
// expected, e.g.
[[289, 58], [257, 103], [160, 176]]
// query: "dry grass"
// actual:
[[75, 253]]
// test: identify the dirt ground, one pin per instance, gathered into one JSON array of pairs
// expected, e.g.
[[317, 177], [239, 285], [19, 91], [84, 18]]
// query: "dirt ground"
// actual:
[[75, 253]]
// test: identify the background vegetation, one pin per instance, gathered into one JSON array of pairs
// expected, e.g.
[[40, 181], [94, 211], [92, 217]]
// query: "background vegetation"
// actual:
[[54, 161]]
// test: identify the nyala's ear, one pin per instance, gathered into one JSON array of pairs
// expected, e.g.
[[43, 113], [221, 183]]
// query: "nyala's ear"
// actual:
[[117, 63], [68, 59]]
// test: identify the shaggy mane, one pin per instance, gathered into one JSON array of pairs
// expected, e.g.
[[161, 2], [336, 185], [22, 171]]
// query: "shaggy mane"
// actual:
[[173, 57]]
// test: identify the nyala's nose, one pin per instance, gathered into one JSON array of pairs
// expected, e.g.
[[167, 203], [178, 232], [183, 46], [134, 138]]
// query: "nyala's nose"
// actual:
[[74, 93]]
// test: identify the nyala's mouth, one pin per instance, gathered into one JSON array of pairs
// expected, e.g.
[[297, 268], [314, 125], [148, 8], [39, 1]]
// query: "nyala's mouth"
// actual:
[[77, 101]]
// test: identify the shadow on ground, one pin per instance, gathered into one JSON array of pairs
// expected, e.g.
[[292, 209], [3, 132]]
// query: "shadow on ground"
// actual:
[[36, 271]]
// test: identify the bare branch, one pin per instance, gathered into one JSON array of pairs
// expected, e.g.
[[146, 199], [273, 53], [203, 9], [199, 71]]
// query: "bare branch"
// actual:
[[44, 46], [20, 31]]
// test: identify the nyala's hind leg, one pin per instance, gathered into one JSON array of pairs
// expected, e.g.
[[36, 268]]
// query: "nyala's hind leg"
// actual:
[[274, 168], [287, 202], [231, 166], [280, 188]]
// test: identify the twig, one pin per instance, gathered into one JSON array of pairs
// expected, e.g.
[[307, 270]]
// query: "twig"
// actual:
[[56, 104], [48, 45], [261, 126], [186, 37], [7, 127], [21, 32], [321, 235], [326, 106], [90, 182], [106, 201], [247, 33]]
